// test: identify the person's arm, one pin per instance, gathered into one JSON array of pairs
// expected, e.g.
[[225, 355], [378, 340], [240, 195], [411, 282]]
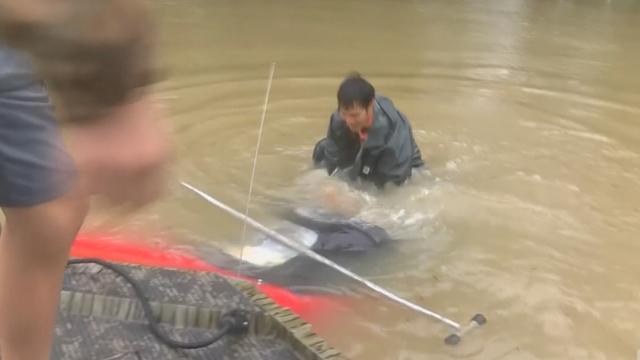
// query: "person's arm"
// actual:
[[395, 162], [94, 55], [340, 148], [416, 154]]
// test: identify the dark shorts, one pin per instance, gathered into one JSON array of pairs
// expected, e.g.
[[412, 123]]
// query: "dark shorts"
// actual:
[[34, 166]]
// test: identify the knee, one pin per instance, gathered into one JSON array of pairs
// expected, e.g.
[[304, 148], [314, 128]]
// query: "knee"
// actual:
[[44, 232]]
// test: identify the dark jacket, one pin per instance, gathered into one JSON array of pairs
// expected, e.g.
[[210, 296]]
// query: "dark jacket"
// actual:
[[387, 155]]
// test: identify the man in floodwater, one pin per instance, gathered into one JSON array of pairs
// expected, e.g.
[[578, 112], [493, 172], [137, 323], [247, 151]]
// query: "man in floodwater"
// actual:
[[368, 137]]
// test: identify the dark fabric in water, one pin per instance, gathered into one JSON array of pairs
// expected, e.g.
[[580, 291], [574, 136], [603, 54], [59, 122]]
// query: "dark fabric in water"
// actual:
[[343, 235], [349, 243]]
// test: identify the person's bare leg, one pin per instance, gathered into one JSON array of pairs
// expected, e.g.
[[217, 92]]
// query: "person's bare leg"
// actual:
[[34, 247]]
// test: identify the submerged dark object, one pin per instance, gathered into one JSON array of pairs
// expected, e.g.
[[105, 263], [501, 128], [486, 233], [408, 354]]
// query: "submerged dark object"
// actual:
[[340, 235], [348, 242]]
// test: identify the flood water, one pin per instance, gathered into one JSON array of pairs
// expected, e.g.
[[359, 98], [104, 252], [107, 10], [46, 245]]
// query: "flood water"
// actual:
[[526, 113]]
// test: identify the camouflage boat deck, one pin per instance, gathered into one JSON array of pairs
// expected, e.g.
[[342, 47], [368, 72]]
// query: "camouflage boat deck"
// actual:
[[100, 318]]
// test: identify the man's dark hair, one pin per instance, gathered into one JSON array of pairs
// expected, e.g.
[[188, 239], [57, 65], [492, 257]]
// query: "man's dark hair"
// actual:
[[355, 90]]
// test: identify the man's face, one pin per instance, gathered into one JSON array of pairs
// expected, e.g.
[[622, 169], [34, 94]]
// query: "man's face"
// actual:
[[356, 117]]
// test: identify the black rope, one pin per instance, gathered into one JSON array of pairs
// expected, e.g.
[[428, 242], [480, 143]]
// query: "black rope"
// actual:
[[235, 321]]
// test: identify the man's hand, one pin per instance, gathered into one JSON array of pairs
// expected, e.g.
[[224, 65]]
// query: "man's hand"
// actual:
[[124, 156], [92, 54], [339, 201]]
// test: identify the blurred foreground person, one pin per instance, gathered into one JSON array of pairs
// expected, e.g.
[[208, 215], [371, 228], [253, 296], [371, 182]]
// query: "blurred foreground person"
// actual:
[[95, 60]]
